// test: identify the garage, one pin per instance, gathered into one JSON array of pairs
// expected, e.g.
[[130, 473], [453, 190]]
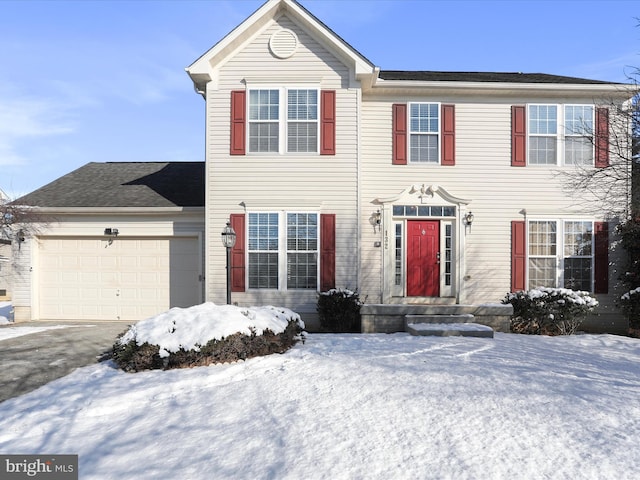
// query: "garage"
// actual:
[[118, 278]]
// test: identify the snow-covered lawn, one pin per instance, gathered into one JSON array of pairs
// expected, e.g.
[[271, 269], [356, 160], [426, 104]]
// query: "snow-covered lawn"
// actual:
[[353, 407]]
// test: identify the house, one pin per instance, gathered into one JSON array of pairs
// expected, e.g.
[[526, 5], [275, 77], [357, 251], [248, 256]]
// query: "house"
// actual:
[[415, 188]]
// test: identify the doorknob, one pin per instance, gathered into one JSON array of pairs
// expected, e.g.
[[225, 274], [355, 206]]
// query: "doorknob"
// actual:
[[438, 258]]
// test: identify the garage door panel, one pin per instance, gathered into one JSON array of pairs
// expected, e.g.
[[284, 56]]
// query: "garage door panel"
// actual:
[[129, 279]]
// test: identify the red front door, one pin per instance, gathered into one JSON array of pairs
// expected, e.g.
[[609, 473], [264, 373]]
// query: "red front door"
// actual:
[[423, 263]]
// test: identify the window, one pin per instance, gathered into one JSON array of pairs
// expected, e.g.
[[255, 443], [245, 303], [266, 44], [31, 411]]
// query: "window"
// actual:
[[543, 134], [267, 108], [578, 132], [264, 114], [561, 258], [424, 130], [263, 250], [288, 264], [302, 250], [302, 121], [560, 134]]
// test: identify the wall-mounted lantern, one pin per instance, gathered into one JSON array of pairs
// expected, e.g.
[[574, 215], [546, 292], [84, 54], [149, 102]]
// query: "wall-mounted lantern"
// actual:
[[375, 219], [111, 233], [468, 219], [229, 241]]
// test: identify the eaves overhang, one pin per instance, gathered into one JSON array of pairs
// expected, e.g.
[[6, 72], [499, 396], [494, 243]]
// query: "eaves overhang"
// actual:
[[621, 91], [117, 210]]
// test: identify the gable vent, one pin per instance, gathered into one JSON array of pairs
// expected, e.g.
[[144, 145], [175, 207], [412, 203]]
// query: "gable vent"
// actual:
[[283, 43]]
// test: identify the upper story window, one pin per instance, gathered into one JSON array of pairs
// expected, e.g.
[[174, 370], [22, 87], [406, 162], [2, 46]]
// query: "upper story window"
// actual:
[[560, 134], [424, 132], [283, 120]]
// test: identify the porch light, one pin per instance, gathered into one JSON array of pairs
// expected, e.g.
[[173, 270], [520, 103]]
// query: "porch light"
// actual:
[[468, 219], [375, 219], [229, 241]]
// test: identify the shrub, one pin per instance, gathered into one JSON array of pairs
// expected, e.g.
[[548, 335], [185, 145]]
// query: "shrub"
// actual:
[[132, 357], [549, 311], [339, 311], [630, 304]]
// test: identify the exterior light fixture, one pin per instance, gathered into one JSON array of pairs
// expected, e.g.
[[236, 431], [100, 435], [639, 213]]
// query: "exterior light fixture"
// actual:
[[229, 241], [111, 233], [468, 219], [375, 219]]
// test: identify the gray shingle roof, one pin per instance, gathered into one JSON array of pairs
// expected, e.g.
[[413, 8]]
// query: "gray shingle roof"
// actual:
[[503, 77], [124, 184]]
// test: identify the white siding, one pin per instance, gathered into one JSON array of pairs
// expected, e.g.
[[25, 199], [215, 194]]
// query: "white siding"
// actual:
[[282, 182], [482, 174]]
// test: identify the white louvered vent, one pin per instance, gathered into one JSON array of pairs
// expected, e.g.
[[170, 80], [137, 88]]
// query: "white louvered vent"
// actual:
[[283, 43]]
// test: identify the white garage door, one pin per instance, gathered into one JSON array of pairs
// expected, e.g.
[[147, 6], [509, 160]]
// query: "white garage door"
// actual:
[[129, 279]]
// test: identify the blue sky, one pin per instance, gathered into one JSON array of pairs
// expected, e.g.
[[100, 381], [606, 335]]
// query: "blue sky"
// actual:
[[96, 81]]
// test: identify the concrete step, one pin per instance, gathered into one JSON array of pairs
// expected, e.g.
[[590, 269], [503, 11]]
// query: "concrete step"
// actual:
[[439, 318], [450, 329]]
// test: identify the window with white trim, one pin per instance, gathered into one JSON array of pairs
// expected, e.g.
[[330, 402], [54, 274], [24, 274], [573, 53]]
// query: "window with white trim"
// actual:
[[560, 134], [283, 120], [560, 254], [283, 250], [424, 132]]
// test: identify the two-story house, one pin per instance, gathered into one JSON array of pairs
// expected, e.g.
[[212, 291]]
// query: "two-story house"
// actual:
[[411, 187]]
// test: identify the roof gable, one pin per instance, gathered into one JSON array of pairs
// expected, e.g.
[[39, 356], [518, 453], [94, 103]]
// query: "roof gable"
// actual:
[[203, 69]]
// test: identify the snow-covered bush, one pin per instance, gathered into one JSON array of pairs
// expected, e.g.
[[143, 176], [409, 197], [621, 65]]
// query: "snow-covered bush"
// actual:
[[630, 304], [339, 311], [549, 311], [206, 334]]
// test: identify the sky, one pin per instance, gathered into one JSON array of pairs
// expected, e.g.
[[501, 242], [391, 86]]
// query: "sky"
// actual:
[[97, 81], [370, 406]]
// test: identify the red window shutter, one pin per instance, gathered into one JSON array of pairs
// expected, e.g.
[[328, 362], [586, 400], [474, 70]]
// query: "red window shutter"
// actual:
[[238, 253], [238, 122], [448, 134], [328, 122], [601, 260], [399, 134], [518, 136], [327, 252], [518, 255], [602, 137]]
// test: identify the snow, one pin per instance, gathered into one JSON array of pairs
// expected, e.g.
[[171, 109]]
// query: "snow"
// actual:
[[469, 327], [192, 327], [17, 331], [371, 406]]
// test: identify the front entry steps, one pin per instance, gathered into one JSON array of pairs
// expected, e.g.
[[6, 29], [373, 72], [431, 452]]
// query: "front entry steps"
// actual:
[[446, 326]]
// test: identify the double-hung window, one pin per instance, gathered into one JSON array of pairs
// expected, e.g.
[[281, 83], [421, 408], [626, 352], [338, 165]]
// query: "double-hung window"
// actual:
[[283, 250], [543, 134], [561, 134], [283, 120], [561, 254], [424, 132], [578, 134]]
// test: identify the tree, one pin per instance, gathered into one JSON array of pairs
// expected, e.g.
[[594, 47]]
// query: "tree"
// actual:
[[18, 222]]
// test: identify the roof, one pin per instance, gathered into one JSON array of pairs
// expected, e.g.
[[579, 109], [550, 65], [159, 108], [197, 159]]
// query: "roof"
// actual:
[[498, 77], [124, 184]]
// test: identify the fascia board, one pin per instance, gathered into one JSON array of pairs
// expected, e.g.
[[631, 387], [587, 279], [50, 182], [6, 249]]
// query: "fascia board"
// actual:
[[116, 210], [621, 91]]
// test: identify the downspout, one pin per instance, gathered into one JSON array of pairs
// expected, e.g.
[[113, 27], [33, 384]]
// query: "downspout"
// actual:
[[358, 189]]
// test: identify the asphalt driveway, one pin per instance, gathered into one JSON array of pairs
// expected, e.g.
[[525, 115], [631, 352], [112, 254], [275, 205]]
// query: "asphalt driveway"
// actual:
[[30, 361]]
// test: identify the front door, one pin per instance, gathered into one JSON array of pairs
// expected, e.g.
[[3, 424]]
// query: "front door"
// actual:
[[423, 258]]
